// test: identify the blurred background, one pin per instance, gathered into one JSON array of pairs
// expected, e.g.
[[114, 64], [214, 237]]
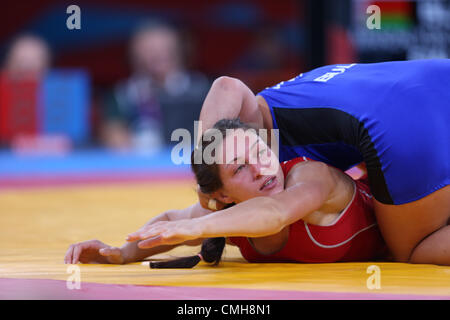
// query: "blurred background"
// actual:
[[137, 70]]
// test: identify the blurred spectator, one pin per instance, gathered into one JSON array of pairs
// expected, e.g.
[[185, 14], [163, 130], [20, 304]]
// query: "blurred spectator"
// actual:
[[28, 55], [160, 96], [266, 51]]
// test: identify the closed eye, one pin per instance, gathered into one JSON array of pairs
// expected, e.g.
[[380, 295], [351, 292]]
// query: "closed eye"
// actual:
[[239, 168]]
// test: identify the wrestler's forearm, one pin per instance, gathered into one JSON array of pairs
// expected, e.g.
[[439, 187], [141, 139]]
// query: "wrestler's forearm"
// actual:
[[229, 98], [253, 218], [263, 216]]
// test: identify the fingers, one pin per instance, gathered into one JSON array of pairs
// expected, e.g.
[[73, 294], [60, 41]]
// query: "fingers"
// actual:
[[136, 235], [159, 240], [153, 237], [165, 233], [76, 250], [76, 254], [146, 231], [144, 235], [68, 256], [152, 233], [133, 236], [150, 243]]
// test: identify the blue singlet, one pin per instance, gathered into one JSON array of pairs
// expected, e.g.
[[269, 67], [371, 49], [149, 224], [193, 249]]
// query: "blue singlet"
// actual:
[[394, 116]]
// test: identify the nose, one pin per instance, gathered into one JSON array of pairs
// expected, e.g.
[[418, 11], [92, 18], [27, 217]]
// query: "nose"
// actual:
[[256, 170]]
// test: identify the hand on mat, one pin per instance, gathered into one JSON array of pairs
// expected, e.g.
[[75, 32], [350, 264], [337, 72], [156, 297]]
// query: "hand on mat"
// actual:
[[165, 233], [93, 251], [207, 202]]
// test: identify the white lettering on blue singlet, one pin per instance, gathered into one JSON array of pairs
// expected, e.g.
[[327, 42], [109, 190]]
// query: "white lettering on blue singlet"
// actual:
[[278, 86], [334, 72]]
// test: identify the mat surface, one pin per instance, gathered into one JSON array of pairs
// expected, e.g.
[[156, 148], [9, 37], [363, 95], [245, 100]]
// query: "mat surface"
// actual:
[[38, 222]]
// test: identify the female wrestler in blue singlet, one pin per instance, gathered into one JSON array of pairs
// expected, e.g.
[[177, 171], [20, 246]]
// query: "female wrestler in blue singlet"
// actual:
[[393, 116]]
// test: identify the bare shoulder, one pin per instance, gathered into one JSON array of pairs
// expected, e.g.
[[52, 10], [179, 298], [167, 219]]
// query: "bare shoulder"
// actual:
[[308, 186], [339, 185], [309, 171]]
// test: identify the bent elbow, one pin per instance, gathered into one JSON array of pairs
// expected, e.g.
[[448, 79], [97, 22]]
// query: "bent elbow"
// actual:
[[226, 83]]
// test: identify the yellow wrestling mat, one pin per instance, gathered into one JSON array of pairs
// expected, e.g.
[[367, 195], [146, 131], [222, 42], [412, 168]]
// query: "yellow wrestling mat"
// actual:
[[37, 226]]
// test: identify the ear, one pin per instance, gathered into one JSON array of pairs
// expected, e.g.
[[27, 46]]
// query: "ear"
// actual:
[[222, 197]]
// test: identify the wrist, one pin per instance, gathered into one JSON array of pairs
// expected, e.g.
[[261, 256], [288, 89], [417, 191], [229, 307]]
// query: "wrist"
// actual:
[[128, 252], [200, 227]]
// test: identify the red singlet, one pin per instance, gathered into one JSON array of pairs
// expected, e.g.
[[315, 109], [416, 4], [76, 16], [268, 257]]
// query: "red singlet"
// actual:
[[354, 236]]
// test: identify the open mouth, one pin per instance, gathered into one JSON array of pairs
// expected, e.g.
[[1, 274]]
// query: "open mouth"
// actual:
[[269, 183]]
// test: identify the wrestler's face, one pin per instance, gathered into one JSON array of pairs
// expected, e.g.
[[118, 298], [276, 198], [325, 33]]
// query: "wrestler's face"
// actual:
[[248, 168]]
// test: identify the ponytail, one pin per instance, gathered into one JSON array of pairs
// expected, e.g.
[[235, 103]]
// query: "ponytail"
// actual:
[[211, 252]]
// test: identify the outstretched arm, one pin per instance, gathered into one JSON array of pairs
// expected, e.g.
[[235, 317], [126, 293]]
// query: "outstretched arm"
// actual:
[[257, 217]]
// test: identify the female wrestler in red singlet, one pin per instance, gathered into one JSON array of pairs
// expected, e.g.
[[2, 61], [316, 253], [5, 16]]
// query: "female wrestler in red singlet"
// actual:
[[299, 211], [352, 235], [302, 211]]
